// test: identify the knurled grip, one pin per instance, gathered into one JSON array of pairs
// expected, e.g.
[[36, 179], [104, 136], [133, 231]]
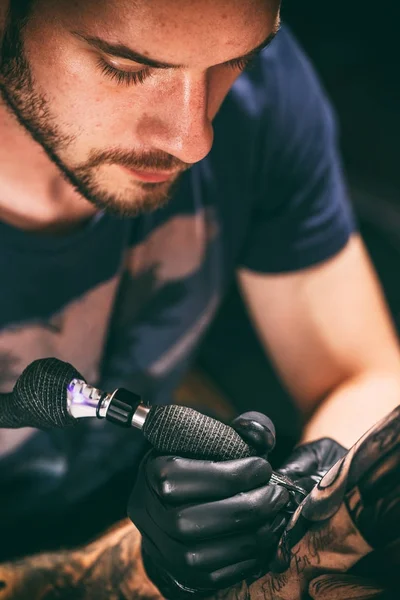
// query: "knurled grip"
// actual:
[[174, 429], [39, 396]]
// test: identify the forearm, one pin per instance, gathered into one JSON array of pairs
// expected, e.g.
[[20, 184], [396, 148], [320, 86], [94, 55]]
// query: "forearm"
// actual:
[[354, 407], [109, 568]]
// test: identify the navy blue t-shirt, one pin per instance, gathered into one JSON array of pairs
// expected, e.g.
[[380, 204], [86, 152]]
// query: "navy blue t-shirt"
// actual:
[[128, 301]]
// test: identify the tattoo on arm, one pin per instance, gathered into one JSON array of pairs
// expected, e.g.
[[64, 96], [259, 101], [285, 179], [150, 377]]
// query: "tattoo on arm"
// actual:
[[110, 568], [352, 511], [238, 592]]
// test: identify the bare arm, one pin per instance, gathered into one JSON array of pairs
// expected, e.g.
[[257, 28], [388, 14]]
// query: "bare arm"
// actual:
[[110, 568], [328, 331]]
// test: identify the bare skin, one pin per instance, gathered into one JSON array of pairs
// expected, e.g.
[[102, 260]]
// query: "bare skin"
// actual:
[[353, 510], [151, 119]]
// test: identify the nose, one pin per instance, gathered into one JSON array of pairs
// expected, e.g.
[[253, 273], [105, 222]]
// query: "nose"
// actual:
[[179, 124]]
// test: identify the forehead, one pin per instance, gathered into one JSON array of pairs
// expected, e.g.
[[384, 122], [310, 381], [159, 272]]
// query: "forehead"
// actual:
[[172, 30]]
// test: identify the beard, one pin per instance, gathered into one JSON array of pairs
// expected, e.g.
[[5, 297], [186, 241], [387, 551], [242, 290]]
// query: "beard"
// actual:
[[32, 110]]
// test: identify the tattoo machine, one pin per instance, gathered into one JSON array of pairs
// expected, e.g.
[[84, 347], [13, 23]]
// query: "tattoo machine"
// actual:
[[51, 393]]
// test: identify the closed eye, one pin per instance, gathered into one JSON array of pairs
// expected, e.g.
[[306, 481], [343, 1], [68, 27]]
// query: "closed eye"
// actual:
[[130, 77]]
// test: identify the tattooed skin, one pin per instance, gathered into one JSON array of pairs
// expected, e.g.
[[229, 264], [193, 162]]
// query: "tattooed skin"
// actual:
[[108, 569], [352, 511]]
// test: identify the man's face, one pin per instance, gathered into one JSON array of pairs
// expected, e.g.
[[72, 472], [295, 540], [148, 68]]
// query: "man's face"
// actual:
[[122, 131]]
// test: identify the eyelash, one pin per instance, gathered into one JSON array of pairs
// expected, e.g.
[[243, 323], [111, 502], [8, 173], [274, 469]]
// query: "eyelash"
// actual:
[[242, 63], [123, 77], [135, 77]]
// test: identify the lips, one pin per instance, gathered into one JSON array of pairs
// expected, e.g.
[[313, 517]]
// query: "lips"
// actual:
[[150, 177]]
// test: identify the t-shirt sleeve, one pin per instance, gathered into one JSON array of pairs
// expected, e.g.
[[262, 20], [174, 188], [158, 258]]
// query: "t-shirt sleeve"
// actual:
[[301, 214]]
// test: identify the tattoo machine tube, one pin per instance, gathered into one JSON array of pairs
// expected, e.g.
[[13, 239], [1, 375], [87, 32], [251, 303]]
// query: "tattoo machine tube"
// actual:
[[51, 393], [353, 510]]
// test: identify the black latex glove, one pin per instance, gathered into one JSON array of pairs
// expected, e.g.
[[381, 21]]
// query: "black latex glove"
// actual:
[[308, 463], [208, 525]]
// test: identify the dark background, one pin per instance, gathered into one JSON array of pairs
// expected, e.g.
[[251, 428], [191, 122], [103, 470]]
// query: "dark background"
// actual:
[[354, 47]]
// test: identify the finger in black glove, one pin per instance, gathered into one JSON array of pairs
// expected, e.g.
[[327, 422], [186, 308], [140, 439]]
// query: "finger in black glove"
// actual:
[[207, 525], [257, 430], [308, 463]]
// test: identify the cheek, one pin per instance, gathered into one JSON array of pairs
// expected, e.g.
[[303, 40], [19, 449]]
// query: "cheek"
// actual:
[[80, 99]]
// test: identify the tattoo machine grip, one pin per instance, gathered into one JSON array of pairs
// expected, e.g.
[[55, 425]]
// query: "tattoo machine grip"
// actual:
[[39, 396], [40, 399], [174, 429], [181, 430]]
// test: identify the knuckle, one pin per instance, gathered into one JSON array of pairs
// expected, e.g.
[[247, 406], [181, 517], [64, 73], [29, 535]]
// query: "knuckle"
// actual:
[[182, 526], [191, 559], [162, 485], [214, 580], [160, 476], [164, 489]]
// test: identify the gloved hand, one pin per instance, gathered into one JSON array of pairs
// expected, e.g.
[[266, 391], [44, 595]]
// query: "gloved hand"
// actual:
[[208, 525], [308, 463]]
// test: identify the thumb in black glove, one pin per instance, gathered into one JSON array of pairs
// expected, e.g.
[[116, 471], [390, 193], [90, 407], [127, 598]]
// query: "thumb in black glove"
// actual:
[[207, 525], [257, 430]]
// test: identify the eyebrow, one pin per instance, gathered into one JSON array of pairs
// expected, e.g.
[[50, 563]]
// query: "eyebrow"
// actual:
[[122, 51]]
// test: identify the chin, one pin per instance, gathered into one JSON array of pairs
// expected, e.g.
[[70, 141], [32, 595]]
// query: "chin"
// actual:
[[132, 205], [122, 198]]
